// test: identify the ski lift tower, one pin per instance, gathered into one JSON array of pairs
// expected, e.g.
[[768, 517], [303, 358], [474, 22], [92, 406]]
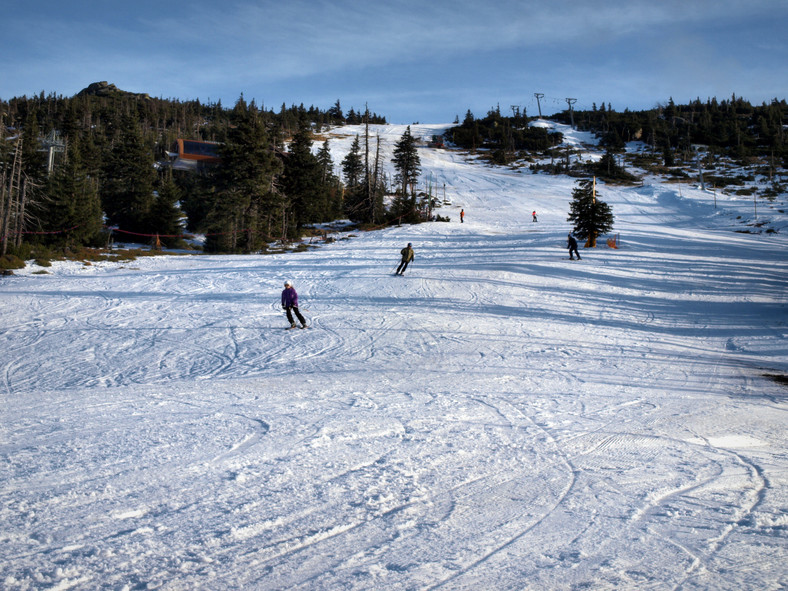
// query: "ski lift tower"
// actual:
[[53, 144], [570, 102], [698, 149]]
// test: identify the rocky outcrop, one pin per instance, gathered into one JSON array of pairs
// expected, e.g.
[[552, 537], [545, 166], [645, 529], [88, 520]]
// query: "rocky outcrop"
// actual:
[[105, 89]]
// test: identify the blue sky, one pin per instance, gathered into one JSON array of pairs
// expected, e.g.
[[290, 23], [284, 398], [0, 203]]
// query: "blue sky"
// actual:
[[409, 60]]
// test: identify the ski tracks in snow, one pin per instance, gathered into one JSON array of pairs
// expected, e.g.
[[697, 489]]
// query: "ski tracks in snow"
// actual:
[[498, 418]]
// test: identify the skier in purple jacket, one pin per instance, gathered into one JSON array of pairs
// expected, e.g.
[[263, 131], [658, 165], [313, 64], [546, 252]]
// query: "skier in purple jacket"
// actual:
[[290, 304]]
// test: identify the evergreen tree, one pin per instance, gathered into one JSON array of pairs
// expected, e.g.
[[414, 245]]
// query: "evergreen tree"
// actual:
[[408, 167], [326, 163], [335, 114], [406, 161], [608, 168], [330, 181], [353, 171], [590, 216], [120, 134], [667, 155], [353, 165], [72, 210], [302, 179], [33, 159], [90, 153], [404, 209], [165, 214], [247, 207], [129, 176]]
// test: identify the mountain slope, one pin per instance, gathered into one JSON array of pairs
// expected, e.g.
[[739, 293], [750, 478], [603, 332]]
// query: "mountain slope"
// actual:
[[500, 417]]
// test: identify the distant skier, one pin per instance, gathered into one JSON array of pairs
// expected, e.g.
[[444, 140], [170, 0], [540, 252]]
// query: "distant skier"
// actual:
[[290, 304], [407, 256], [533, 217], [571, 244], [462, 215]]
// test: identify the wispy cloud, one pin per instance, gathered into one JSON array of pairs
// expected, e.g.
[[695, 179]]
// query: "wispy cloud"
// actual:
[[394, 49]]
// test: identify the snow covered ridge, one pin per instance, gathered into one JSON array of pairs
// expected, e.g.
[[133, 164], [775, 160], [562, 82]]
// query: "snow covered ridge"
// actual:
[[500, 417]]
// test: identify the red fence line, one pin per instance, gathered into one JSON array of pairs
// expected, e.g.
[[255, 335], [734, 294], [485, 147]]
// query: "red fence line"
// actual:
[[10, 234], [176, 235], [113, 229]]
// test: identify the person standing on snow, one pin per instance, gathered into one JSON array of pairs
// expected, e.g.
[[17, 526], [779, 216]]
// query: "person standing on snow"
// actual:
[[290, 304], [571, 244], [533, 216], [462, 215], [407, 256]]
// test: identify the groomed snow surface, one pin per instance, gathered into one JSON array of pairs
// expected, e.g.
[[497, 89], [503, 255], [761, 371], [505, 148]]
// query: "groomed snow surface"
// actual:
[[499, 418]]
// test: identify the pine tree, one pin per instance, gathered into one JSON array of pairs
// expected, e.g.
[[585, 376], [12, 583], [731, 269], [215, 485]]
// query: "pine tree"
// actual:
[[609, 168], [330, 181], [352, 165], [247, 205], [129, 176], [197, 194], [404, 209], [302, 179], [590, 216], [406, 161], [165, 215], [325, 162], [335, 114], [72, 210], [353, 171], [33, 159]]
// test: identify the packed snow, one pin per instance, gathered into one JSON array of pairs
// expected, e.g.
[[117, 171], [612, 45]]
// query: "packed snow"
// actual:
[[499, 417]]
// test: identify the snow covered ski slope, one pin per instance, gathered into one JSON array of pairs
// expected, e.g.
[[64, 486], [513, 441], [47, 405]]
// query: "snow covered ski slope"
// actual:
[[498, 418]]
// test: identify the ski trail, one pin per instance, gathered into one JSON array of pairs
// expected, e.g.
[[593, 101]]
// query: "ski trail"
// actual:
[[561, 497]]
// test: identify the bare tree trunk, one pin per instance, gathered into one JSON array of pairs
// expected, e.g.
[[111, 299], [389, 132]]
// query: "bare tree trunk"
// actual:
[[12, 194], [284, 224], [5, 227], [20, 224], [3, 181], [377, 167], [370, 202], [3, 197]]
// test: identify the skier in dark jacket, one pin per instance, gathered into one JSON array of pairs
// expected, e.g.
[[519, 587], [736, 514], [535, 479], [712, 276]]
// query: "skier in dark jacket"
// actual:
[[290, 304], [407, 256], [571, 244]]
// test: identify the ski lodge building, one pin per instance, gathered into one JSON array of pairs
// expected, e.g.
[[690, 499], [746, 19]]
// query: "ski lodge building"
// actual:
[[194, 155]]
